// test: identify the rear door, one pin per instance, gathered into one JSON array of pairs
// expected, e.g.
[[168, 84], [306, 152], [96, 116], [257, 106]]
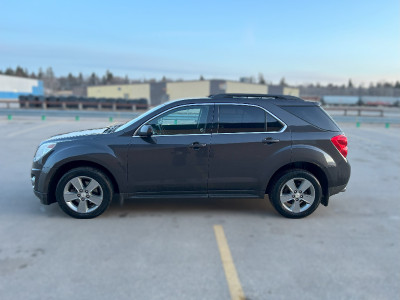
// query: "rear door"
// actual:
[[246, 146]]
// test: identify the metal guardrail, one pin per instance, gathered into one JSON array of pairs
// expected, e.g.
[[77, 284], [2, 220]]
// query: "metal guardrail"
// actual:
[[359, 110], [65, 105]]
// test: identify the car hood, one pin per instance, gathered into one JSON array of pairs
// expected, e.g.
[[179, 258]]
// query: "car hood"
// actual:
[[72, 135]]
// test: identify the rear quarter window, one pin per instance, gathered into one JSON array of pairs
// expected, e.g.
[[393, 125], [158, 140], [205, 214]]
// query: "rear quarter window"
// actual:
[[315, 115]]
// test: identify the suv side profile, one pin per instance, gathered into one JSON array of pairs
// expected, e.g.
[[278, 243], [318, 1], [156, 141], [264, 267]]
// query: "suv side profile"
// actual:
[[226, 145]]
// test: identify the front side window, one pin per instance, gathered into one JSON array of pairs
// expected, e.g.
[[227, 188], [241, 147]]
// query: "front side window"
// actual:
[[182, 120], [244, 118]]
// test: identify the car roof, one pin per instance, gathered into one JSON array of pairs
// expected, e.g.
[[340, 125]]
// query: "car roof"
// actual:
[[260, 99]]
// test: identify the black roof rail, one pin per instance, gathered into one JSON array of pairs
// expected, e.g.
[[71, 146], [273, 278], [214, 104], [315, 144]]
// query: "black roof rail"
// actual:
[[260, 96]]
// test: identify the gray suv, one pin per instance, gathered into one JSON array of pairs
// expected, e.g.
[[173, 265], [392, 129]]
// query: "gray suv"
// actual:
[[223, 146]]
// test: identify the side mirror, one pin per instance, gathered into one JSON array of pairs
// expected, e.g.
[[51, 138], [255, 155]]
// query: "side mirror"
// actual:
[[145, 131]]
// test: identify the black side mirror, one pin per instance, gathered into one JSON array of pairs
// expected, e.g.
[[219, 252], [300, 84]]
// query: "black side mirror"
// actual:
[[145, 131]]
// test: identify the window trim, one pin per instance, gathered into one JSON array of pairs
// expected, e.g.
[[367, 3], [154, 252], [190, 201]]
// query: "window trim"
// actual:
[[253, 105], [211, 104], [165, 111]]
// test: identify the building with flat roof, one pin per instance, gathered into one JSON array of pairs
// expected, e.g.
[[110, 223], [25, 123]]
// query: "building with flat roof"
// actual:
[[204, 88], [11, 87], [126, 91], [159, 92], [284, 90], [154, 92]]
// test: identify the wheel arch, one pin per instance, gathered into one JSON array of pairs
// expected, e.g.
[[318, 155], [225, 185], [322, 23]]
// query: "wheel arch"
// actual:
[[76, 164], [307, 166]]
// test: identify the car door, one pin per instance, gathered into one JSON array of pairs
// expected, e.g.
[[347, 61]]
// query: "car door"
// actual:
[[248, 143], [174, 160]]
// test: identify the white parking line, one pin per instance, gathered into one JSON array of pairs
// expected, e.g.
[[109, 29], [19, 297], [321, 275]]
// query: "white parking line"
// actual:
[[15, 133], [387, 132]]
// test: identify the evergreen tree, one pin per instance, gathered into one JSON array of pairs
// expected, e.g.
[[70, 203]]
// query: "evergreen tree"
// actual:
[[108, 78], [19, 72], [9, 71], [93, 79], [80, 81], [40, 74], [261, 79], [387, 85], [71, 81]]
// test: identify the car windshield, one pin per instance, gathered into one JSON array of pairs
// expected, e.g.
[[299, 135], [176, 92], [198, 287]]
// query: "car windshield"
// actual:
[[129, 123]]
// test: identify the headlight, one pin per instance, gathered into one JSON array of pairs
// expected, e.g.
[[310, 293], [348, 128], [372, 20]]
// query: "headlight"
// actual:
[[43, 150]]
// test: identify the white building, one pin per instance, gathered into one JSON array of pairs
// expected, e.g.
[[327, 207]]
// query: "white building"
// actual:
[[11, 87]]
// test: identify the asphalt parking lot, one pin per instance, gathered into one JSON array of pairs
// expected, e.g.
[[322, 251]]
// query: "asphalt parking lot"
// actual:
[[167, 249]]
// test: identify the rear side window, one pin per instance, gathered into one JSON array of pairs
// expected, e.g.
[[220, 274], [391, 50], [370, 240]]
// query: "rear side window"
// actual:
[[273, 124], [314, 115], [243, 118]]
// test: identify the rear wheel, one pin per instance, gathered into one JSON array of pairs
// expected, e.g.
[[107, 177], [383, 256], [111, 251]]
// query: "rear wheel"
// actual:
[[84, 193], [296, 194]]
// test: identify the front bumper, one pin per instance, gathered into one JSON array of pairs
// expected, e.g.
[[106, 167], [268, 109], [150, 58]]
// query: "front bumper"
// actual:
[[42, 197], [37, 185]]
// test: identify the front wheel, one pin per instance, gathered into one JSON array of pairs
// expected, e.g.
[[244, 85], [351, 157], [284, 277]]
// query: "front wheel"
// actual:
[[84, 193], [296, 194]]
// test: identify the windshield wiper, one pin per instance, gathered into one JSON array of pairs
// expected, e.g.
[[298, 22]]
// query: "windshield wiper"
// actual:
[[111, 128]]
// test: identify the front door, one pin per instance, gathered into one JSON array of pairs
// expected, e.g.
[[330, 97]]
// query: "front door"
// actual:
[[244, 149], [174, 161]]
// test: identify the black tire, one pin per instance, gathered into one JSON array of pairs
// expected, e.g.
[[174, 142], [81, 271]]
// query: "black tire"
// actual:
[[104, 189], [280, 185]]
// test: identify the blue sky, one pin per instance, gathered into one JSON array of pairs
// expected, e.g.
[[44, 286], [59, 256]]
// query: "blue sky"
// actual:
[[304, 41]]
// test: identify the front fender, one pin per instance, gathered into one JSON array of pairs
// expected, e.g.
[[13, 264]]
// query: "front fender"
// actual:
[[100, 155]]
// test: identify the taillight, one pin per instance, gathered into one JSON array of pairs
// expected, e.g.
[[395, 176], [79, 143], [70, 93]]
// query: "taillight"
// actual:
[[340, 142]]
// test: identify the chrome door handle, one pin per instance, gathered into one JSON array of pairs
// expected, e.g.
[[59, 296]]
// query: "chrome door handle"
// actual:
[[269, 141], [197, 145]]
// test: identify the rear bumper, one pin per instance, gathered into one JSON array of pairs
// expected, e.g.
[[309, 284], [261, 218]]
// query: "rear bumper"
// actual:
[[337, 189], [339, 177]]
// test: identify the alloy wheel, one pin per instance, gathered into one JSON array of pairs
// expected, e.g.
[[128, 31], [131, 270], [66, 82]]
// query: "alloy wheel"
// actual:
[[83, 194], [297, 195]]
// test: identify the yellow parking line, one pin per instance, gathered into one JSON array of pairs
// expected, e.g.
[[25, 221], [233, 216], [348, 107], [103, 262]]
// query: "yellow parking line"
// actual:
[[235, 288]]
